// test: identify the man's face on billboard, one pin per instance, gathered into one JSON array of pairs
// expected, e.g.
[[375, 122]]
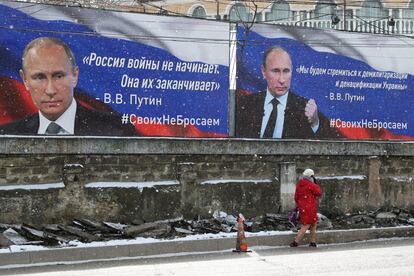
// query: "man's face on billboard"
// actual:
[[48, 75], [277, 72]]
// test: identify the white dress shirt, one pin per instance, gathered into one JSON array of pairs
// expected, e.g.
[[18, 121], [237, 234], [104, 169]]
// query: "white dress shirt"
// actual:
[[268, 107], [281, 107], [66, 121]]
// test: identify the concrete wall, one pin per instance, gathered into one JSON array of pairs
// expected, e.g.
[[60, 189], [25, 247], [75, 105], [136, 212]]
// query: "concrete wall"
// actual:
[[96, 177]]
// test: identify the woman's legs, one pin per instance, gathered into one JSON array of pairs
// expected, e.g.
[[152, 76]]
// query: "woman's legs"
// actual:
[[302, 232], [313, 233]]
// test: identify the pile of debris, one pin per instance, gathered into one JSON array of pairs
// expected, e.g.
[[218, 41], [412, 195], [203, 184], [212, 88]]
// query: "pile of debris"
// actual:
[[85, 230], [378, 218]]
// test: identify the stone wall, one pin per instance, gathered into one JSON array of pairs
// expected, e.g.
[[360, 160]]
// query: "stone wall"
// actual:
[[132, 180]]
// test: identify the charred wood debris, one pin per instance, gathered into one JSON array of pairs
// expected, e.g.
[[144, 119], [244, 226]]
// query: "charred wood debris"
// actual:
[[86, 230]]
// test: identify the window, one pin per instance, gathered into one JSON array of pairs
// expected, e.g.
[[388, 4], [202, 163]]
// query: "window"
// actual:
[[238, 13], [395, 13], [409, 12], [199, 12], [280, 11], [324, 10], [259, 17], [303, 15], [372, 9]]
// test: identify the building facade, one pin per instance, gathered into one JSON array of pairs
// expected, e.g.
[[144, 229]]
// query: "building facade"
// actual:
[[373, 16]]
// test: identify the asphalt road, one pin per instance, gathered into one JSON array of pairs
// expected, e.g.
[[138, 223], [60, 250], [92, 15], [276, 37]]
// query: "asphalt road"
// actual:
[[380, 257]]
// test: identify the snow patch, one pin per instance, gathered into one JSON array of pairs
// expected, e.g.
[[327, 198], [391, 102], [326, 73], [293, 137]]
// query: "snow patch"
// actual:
[[228, 181], [402, 179], [127, 185], [342, 177], [59, 185]]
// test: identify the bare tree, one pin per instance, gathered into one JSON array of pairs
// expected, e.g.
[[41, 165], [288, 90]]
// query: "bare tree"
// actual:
[[247, 24]]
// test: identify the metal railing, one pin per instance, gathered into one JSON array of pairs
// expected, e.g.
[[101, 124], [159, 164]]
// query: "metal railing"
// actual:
[[382, 26]]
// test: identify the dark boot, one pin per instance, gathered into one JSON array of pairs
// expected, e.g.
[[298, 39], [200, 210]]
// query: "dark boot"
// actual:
[[312, 244], [294, 244]]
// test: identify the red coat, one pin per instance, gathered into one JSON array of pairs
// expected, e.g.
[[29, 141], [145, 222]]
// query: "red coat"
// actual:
[[306, 197]]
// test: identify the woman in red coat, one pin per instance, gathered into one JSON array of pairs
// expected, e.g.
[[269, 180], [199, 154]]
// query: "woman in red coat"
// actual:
[[306, 197]]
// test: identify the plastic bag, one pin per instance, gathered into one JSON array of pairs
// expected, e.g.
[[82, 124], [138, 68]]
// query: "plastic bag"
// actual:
[[294, 216]]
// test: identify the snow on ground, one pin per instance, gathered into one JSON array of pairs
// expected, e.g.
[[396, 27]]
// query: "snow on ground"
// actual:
[[253, 253], [20, 248], [78, 244]]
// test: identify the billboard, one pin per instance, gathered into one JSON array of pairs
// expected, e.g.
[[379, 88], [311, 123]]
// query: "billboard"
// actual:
[[329, 84], [164, 76]]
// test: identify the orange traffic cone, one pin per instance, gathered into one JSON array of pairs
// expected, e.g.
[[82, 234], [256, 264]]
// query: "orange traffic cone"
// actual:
[[241, 244]]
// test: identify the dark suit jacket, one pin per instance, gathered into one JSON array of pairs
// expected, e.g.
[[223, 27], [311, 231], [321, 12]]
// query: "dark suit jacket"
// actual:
[[249, 115], [88, 122]]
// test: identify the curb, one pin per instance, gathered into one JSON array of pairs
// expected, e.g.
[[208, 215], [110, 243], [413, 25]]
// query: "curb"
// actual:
[[83, 254]]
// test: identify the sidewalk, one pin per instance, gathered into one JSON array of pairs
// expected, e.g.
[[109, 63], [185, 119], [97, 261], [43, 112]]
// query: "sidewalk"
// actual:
[[148, 250]]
